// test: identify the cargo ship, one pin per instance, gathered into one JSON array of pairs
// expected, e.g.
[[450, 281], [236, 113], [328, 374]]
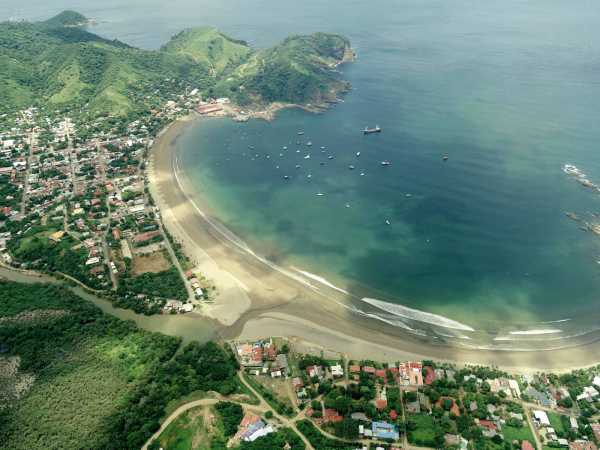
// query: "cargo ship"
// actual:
[[368, 130]]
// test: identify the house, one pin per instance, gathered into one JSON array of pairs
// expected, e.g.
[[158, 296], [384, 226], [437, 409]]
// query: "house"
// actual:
[[381, 404], [361, 416], [573, 422], [541, 418], [297, 383], [354, 369], [384, 430], [589, 393], [331, 416], [315, 371], [281, 363], [526, 445], [429, 375], [582, 445], [540, 397], [368, 369], [337, 371]]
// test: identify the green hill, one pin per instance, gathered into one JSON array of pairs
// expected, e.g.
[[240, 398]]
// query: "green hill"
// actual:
[[58, 63], [299, 70], [207, 45]]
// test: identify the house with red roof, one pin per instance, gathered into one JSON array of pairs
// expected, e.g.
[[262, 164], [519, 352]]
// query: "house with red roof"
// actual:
[[393, 414], [331, 416], [381, 404], [368, 369], [526, 445], [429, 375], [354, 369]]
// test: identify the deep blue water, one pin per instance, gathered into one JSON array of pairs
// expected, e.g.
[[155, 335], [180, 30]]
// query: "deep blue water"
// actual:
[[509, 91]]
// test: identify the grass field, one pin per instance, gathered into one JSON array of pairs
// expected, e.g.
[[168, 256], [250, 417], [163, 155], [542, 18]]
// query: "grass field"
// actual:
[[424, 433], [189, 432], [556, 422], [517, 434]]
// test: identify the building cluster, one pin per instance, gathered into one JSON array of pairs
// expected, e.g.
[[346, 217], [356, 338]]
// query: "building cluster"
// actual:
[[74, 200]]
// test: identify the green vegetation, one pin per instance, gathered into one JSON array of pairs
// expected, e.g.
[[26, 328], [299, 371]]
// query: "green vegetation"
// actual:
[[188, 429], [209, 47], [231, 416], [320, 441], [299, 70], [58, 63], [166, 284], [522, 433], [422, 430], [99, 382]]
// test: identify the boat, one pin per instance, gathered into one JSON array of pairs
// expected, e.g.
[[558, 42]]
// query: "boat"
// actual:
[[570, 169], [297, 166], [330, 157], [368, 130], [286, 177], [351, 167], [445, 157], [347, 205], [362, 174], [309, 144], [309, 176], [387, 222], [322, 163], [285, 147], [385, 163], [357, 154], [300, 133], [307, 157], [320, 194], [297, 151], [322, 147]]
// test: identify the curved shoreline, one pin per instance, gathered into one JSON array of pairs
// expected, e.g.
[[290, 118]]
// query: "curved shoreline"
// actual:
[[257, 300]]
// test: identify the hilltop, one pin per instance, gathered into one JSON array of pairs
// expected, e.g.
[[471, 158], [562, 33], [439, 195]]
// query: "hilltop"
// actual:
[[58, 63]]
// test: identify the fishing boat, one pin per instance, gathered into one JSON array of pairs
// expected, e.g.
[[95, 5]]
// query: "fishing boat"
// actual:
[[286, 177], [445, 157], [368, 130], [320, 194], [309, 144], [285, 147], [330, 157], [322, 147], [297, 166], [300, 133], [387, 222], [307, 157], [357, 154], [351, 167], [385, 163]]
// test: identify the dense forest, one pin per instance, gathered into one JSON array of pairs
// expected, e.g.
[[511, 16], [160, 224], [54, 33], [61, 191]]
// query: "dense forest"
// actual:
[[94, 381]]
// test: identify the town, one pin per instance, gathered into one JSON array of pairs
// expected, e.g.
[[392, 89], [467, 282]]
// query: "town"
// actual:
[[75, 203], [340, 403]]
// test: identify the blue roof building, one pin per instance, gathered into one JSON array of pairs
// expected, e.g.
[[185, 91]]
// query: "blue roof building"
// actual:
[[384, 430]]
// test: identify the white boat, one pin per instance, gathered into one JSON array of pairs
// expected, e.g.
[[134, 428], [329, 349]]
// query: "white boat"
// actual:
[[357, 154], [284, 147], [307, 157], [309, 144], [322, 147], [351, 167], [297, 166], [320, 194], [362, 174], [330, 157], [385, 163], [387, 222], [570, 169]]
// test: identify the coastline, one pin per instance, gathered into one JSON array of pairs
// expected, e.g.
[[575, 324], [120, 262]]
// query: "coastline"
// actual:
[[256, 299]]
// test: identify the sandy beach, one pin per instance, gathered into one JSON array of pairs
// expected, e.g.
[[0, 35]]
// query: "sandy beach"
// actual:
[[257, 299]]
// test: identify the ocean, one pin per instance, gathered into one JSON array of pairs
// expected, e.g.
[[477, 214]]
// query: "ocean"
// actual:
[[509, 92]]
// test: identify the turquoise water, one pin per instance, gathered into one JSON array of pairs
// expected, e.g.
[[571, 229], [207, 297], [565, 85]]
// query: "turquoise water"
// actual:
[[509, 91]]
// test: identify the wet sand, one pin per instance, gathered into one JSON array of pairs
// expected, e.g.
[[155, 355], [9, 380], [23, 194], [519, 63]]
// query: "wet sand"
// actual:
[[257, 299]]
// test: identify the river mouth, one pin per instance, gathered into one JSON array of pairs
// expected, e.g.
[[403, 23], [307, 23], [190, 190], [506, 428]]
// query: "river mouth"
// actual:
[[215, 157]]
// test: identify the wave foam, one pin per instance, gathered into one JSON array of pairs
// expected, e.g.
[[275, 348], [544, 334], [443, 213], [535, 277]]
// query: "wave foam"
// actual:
[[417, 315], [321, 280]]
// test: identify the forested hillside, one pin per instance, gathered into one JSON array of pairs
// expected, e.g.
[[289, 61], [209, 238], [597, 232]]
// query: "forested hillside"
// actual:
[[58, 63]]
